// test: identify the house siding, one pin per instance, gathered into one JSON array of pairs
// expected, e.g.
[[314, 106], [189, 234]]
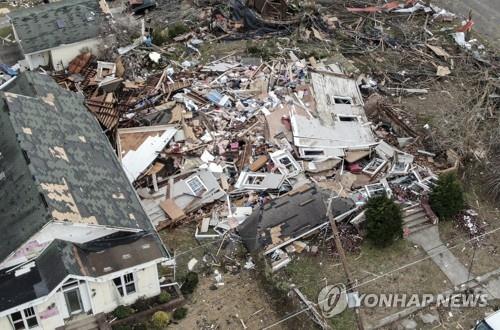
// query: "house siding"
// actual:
[[106, 298], [38, 59], [100, 297], [5, 323], [51, 313], [62, 55]]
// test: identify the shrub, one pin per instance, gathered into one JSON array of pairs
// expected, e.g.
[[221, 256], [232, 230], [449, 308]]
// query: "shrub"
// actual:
[[384, 222], [176, 30], [122, 312], [447, 198], [190, 283], [164, 297], [160, 36], [180, 313], [141, 304], [160, 320]]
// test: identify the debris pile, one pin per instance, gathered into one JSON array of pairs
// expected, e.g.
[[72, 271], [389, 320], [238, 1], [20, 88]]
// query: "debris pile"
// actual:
[[256, 144], [469, 222]]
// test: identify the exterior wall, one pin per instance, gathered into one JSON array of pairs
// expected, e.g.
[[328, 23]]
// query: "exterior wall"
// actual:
[[105, 296], [62, 55], [38, 59], [98, 297], [75, 233], [51, 313], [5, 323]]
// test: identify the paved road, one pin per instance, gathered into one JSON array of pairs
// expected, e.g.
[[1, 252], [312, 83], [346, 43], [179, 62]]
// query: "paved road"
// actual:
[[485, 13]]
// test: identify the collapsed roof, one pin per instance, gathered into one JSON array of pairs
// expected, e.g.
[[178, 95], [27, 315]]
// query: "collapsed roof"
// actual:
[[62, 259], [290, 216], [336, 124]]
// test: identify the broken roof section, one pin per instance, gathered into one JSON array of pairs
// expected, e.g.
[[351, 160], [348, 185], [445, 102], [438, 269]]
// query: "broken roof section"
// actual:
[[70, 172], [59, 23], [289, 217], [338, 122], [62, 259], [136, 159]]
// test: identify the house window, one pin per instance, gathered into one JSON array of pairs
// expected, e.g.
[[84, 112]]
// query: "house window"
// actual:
[[311, 152], [288, 164], [24, 319], [348, 118], [254, 180], [342, 100], [196, 186], [338, 100], [125, 284]]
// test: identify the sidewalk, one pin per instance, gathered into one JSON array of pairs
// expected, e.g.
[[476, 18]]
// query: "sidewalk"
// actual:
[[430, 241]]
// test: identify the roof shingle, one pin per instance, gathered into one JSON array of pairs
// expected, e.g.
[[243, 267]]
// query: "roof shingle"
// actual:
[[53, 147], [51, 25]]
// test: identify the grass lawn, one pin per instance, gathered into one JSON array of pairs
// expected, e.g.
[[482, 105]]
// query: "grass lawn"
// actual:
[[5, 31], [182, 243], [311, 273], [488, 251]]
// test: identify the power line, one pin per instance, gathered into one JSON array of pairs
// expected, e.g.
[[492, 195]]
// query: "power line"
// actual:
[[385, 274]]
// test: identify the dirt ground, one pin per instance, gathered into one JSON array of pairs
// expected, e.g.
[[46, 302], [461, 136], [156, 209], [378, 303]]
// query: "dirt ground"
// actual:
[[240, 298]]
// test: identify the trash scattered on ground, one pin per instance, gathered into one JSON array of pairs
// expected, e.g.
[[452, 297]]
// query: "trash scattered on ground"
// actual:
[[250, 144]]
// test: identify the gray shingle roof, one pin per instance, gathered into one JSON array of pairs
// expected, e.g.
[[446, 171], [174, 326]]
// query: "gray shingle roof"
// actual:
[[18, 199], [296, 213], [51, 25], [61, 259], [70, 163]]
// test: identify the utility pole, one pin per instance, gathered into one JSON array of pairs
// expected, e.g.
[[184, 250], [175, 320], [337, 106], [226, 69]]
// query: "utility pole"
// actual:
[[472, 261], [340, 249]]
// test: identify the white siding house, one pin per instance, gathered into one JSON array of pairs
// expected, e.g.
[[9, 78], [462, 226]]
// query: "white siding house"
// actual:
[[74, 239], [51, 35]]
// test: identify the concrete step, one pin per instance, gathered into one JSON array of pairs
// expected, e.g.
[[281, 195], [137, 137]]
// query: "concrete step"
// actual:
[[416, 222], [89, 326], [412, 210], [420, 227], [82, 323], [413, 216]]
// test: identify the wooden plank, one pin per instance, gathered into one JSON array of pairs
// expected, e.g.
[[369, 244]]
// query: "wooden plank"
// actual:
[[172, 210]]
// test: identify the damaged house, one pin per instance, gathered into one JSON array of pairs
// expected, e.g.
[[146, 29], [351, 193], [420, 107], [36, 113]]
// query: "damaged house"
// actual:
[[74, 237], [51, 35], [286, 219], [335, 124]]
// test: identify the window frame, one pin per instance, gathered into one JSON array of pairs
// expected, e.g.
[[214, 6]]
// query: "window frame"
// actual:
[[200, 183], [125, 280], [254, 180], [26, 314]]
